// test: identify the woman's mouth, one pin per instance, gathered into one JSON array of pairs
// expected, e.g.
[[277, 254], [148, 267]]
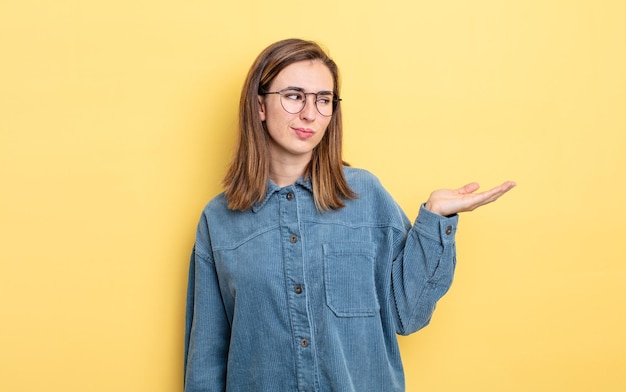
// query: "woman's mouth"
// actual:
[[304, 133]]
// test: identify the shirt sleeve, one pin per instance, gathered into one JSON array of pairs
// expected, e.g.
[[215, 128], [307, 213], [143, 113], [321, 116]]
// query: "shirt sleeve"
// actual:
[[423, 269], [207, 331]]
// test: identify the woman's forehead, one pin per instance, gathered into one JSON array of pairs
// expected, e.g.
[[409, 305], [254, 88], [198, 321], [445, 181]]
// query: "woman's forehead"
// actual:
[[310, 75]]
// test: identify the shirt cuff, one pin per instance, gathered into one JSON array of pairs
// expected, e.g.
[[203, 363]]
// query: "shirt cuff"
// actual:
[[442, 228]]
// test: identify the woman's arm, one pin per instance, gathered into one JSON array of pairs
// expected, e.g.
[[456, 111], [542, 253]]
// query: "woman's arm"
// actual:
[[207, 331], [423, 269], [426, 258]]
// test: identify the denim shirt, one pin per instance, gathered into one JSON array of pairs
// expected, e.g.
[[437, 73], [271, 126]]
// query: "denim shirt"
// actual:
[[284, 298]]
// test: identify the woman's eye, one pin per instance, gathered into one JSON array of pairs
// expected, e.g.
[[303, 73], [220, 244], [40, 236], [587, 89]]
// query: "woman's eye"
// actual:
[[296, 96], [324, 100]]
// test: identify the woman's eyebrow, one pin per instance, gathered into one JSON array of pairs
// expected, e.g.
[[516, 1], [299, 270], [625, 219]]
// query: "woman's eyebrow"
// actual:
[[323, 92], [294, 88]]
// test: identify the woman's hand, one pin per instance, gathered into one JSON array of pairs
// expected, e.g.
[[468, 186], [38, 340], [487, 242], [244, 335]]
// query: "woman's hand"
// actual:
[[451, 201]]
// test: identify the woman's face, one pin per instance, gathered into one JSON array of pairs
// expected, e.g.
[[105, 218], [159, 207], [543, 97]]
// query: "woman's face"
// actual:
[[294, 136]]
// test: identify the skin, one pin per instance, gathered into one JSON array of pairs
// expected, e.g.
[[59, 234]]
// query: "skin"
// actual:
[[452, 201], [294, 136]]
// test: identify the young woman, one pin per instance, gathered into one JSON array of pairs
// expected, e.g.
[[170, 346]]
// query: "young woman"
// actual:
[[305, 269]]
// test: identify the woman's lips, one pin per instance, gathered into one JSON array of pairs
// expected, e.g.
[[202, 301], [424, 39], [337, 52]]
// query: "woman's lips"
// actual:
[[303, 133]]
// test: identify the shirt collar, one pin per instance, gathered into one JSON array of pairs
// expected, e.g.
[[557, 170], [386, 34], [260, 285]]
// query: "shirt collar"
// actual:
[[273, 188], [305, 183]]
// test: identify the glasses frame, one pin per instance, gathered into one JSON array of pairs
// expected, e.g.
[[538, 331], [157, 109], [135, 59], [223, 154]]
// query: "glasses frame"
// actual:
[[282, 92]]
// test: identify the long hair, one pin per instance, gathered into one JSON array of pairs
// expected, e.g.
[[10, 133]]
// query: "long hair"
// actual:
[[246, 180]]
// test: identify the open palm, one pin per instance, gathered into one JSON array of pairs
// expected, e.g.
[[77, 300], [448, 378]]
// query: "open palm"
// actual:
[[451, 201]]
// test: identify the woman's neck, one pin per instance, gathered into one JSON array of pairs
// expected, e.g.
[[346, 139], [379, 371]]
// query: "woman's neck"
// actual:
[[286, 172]]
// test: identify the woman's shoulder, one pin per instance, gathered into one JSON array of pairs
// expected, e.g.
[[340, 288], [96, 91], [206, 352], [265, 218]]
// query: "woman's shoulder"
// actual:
[[365, 183], [218, 205], [367, 186], [362, 180], [373, 198]]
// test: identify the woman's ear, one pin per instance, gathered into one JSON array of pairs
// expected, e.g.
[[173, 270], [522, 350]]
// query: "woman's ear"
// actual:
[[261, 107]]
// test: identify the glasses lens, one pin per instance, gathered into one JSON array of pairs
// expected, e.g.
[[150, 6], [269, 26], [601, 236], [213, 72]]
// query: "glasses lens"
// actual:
[[324, 103], [292, 100]]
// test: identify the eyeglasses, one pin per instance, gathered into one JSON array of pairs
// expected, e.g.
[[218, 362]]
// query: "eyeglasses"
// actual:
[[293, 100]]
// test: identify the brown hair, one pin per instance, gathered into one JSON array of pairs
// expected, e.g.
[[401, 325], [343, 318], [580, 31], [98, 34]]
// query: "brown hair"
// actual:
[[246, 180]]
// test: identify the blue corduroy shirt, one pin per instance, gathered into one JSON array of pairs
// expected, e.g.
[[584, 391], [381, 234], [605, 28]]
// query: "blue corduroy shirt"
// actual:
[[285, 298]]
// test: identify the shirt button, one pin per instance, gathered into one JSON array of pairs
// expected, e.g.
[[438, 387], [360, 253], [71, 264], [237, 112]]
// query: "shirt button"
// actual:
[[298, 289], [290, 196], [293, 239], [448, 230], [304, 343]]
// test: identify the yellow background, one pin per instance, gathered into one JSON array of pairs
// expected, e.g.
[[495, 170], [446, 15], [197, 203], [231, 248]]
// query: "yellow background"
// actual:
[[117, 121]]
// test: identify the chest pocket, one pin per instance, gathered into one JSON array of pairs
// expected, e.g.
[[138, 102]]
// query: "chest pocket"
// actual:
[[349, 279]]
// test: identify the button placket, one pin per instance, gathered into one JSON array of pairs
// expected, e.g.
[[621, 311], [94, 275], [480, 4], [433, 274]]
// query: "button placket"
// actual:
[[293, 258]]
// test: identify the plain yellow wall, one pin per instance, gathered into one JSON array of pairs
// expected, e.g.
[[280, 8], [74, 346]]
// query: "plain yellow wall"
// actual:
[[117, 121]]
